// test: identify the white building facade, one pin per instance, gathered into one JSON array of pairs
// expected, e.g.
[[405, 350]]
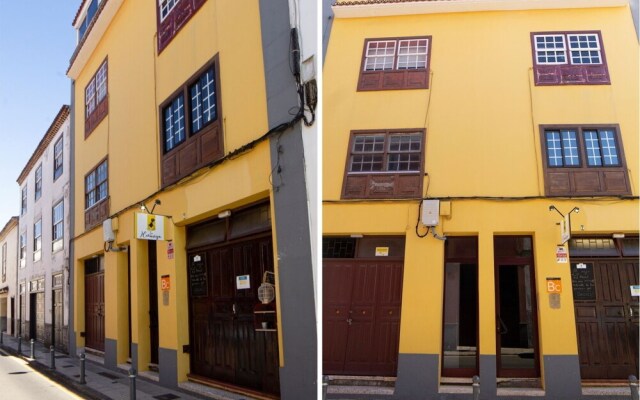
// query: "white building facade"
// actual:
[[42, 300], [8, 281]]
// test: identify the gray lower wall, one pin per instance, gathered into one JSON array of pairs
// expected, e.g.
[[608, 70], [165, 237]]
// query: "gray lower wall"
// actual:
[[417, 377], [562, 377], [168, 366], [110, 353], [488, 373]]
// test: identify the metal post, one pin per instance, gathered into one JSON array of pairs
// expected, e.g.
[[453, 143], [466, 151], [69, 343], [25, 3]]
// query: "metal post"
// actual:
[[32, 344], [325, 386], [633, 385], [19, 345], [476, 387], [83, 359], [132, 384], [52, 352]]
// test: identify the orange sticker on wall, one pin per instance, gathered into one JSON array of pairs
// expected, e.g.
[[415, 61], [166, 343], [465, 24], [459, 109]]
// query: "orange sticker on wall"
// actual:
[[554, 285]]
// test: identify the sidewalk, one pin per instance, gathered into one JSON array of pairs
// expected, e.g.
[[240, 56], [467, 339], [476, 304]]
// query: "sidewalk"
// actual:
[[103, 383]]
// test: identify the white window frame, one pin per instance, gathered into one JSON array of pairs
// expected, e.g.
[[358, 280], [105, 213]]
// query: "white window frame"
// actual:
[[375, 57], [58, 158], [418, 54], [37, 240], [101, 83], [56, 241], [166, 6], [545, 50], [23, 204], [38, 178], [567, 48]]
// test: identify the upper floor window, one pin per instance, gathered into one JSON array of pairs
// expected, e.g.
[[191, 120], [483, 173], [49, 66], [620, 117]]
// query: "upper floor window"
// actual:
[[166, 6], [23, 249], [57, 158], [585, 160], [37, 240], [96, 193], [569, 58], [38, 192], [23, 203], [172, 16], [395, 63], [384, 164], [95, 183], [58, 226], [88, 18], [96, 99], [190, 125], [4, 262]]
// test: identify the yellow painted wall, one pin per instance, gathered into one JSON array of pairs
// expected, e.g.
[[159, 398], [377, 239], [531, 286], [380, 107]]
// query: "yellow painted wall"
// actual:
[[477, 112], [139, 80], [481, 114]]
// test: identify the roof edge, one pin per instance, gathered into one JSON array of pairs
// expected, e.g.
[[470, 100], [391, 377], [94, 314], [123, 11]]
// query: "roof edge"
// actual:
[[13, 221], [63, 114], [384, 8]]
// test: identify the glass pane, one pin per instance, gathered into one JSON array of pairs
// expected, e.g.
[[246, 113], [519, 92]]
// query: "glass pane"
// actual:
[[570, 148], [516, 318], [608, 146], [554, 149], [592, 247], [368, 143], [593, 148], [460, 345]]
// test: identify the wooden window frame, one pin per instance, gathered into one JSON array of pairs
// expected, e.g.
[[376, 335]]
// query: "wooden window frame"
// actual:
[[394, 79], [383, 184], [98, 211], [58, 158], [583, 179], [170, 24], [95, 110], [200, 148], [567, 73]]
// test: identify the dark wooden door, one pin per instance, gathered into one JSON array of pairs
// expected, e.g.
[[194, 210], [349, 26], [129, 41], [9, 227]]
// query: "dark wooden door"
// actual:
[[57, 319], [225, 345], [94, 311], [606, 318], [361, 316], [23, 315], [154, 340]]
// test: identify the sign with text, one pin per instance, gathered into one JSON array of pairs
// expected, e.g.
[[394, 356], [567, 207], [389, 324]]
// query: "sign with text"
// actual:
[[565, 229], [149, 226], [382, 251], [165, 282], [198, 282], [243, 282], [562, 256], [554, 285]]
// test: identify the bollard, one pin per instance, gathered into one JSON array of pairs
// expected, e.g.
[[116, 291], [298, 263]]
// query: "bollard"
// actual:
[[19, 345], [476, 387], [52, 353], [633, 385], [132, 384], [32, 344], [325, 386], [83, 359]]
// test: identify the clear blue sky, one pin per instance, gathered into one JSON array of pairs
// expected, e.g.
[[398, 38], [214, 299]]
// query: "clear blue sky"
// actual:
[[36, 43]]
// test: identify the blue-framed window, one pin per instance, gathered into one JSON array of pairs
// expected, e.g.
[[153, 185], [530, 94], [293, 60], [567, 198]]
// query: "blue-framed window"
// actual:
[[203, 100], [174, 127]]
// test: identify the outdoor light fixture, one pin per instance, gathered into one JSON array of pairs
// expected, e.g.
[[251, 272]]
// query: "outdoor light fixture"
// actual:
[[224, 214], [573, 210], [143, 207]]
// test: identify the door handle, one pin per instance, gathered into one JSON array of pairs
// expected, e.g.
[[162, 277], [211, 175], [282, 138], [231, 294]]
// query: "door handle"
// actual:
[[502, 326], [233, 309]]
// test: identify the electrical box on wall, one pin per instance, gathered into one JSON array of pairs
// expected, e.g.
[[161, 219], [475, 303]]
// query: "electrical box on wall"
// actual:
[[430, 212], [107, 231]]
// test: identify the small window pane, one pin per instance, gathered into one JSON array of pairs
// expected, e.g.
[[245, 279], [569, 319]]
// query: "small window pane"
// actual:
[[585, 49], [412, 54], [594, 157], [58, 158], [554, 149], [203, 101], [608, 147], [174, 130], [368, 143], [380, 55], [550, 49], [570, 148]]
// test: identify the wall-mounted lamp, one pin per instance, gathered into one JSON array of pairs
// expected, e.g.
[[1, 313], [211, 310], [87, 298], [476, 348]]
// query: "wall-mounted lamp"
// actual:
[[357, 236], [224, 214], [143, 207], [618, 235], [573, 210]]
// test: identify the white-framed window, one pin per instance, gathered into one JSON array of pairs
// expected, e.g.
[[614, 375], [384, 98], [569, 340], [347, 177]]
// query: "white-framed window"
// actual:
[[37, 240], [397, 54], [57, 233], [386, 152], [174, 127], [23, 249], [58, 158], [23, 204], [203, 100], [166, 6], [380, 55], [412, 54], [96, 98], [38, 191], [101, 82], [568, 48], [96, 188], [4, 262], [90, 97]]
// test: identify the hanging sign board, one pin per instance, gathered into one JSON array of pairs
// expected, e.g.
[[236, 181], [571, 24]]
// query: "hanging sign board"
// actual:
[[149, 226], [382, 251], [243, 282], [565, 229], [562, 256], [635, 290]]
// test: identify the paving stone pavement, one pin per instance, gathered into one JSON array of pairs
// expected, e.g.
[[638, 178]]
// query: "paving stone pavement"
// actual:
[[103, 383]]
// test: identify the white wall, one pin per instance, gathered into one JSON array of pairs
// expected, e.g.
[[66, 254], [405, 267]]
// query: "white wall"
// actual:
[[10, 237]]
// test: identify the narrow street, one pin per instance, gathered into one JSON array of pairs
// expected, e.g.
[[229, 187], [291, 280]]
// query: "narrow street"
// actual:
[[19, 381]]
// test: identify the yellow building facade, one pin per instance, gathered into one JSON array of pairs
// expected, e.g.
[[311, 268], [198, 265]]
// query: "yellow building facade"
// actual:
[[179, 191], [480, 198]]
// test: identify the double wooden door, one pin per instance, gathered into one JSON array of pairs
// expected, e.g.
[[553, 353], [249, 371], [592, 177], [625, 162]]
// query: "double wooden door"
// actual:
[[606, 317], [94, 311], [361, 316], [225, 345]]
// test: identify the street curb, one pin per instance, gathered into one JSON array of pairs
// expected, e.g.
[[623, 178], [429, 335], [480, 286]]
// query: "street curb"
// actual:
[[77, 388]]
